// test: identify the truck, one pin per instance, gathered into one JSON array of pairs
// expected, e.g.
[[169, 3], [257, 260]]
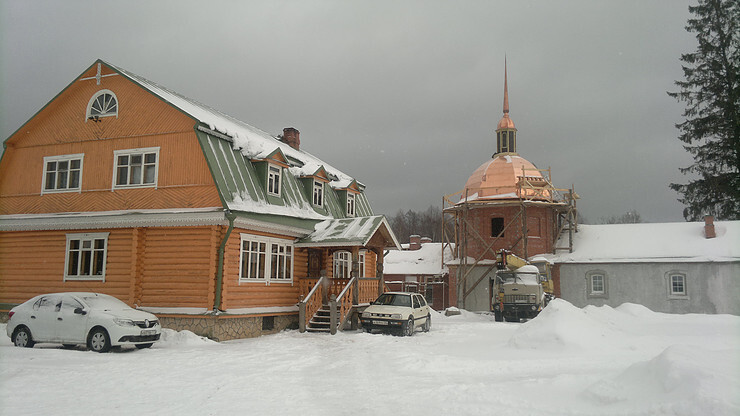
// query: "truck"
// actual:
[[519, 289]]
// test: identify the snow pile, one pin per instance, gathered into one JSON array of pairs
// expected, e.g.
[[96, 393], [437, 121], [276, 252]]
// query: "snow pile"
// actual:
[[561, 325], [173, 339], [689, 380]]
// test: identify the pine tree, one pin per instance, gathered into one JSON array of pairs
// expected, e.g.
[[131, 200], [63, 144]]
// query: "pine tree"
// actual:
[[711, 130]]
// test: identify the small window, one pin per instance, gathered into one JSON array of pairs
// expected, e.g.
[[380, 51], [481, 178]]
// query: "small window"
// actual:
[[350, 205], [504, 143], [342, 264], [318, 194], [273, 180], [677, 285], [497, 227], [86, 256], [136, 168], [597, 285], [103, 104], [62, 173]]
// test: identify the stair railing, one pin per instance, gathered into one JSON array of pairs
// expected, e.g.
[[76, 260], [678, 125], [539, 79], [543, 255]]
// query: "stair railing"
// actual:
[[345, 300], [308, 306]]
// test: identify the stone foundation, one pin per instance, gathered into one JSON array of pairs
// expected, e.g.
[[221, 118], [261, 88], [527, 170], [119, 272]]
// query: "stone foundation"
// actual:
[[227, 327]]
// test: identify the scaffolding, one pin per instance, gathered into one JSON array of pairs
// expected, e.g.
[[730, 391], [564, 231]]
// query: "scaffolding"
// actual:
[[532, 190]]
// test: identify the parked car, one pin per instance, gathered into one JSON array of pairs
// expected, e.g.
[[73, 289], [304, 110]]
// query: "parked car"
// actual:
[[401, 312], [93, 319]]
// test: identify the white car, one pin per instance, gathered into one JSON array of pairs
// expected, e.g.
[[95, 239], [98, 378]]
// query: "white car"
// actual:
[[93, 319], [402, 312]]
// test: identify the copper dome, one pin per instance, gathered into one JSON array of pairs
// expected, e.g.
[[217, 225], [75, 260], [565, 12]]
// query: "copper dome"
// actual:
[[498, 178], [505, 123]]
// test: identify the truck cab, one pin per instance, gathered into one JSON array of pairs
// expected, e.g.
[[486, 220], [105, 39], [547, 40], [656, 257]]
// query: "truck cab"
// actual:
[[517, 294]]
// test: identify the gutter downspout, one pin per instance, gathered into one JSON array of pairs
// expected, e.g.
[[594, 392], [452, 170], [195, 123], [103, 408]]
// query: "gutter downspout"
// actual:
[[220, 273]]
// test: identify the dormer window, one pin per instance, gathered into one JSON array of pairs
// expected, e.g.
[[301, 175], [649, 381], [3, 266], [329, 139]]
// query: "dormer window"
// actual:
[[103, 104], [350, 205], [318, 193], [273, 180]]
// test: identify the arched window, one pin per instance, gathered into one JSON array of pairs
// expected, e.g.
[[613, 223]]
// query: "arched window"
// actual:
[[103, 104]]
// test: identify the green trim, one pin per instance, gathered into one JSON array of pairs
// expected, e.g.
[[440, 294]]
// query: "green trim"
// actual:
[[220, 272]]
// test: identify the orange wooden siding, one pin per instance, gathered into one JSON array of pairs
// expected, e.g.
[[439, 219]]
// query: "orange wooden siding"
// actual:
[[32, 263], [184, 180]]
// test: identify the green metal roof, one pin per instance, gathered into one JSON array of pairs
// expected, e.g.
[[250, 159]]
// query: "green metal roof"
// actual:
[[349, 232]]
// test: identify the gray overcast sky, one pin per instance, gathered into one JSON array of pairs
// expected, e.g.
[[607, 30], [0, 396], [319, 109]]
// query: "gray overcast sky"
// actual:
[[403, 95]]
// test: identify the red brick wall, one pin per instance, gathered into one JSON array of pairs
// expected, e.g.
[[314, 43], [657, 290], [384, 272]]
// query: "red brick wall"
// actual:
[[539, 224]]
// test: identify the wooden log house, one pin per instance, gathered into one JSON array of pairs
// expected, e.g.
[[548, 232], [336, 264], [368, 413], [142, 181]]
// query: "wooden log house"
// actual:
[[121, 186]]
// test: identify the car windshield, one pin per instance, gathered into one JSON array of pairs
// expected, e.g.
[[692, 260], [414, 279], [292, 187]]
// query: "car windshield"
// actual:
[[394, 300], [103, 302]]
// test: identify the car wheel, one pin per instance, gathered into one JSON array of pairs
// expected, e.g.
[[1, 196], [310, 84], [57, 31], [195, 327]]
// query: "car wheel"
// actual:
[[142, 346], [98, 340], [428, 324], [22, 338], [499, 316], [408, 329]]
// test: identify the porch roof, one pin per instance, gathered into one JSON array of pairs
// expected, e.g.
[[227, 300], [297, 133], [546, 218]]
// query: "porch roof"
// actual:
[[350, 232]]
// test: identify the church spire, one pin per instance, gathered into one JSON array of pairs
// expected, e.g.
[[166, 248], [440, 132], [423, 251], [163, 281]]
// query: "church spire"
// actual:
[[505, 131], [506, 90]]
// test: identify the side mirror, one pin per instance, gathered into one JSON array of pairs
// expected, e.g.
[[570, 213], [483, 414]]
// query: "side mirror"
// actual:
[[80, 311]]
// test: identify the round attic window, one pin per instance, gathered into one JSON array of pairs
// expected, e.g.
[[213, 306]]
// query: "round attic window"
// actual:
[[103, 104]]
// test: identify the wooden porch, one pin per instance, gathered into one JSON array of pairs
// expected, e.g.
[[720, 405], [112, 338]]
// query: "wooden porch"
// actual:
[[327, 304]]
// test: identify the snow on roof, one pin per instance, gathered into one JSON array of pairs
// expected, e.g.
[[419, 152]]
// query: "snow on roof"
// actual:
[[427, 260], [346, 232], [660, 242], [253, 142]]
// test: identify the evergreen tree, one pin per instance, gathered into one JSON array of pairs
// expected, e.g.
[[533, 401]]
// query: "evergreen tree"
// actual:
[[711, 130]]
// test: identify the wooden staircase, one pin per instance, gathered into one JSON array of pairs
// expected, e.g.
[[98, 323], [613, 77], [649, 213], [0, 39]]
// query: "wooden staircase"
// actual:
[[321, 320]]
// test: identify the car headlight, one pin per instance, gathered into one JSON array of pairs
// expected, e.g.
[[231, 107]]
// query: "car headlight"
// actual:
[[396, 316], [124, 322], [366, 314]]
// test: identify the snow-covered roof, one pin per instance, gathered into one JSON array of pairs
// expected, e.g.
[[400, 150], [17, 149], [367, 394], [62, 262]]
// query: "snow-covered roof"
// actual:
[[427, 260], [659, 242], [349, 232], [253, 142]]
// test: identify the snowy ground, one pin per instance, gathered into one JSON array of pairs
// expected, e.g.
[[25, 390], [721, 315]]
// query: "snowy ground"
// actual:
[[568, 361]]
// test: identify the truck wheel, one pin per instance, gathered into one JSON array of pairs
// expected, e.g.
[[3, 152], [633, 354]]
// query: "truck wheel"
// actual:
[[499, 316]]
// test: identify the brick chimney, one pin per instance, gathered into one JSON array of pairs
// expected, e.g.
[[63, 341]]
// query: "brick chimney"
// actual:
[[414, 242], [292, 138], [709, 227], [425, 240]]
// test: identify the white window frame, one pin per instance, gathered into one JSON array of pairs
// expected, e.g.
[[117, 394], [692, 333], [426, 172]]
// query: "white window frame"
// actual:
[[57, 160], [143, 152], [275, 259], [274, 179], [88, 112], [672, 294], [350, 204], [604, 290], [318, 193], [342, 264], [361, 266], [80, 251]]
